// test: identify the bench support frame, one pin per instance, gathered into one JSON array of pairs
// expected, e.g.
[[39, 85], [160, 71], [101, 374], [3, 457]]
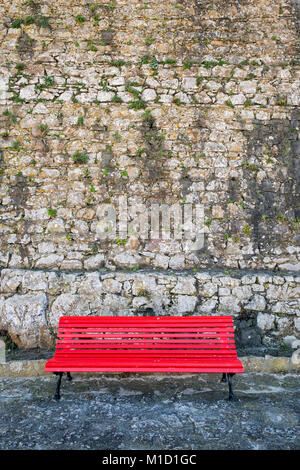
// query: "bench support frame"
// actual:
[[57, 392], [231, 395], [226, 377]]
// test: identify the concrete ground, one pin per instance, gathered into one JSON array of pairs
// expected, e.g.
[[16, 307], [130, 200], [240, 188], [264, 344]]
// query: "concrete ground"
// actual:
[[147, 411]]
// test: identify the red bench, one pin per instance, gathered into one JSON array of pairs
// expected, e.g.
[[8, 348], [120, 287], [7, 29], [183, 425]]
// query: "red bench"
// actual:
[[145, 344]]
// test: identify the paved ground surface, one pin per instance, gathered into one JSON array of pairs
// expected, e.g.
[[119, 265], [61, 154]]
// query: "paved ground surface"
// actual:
[[147, 411]]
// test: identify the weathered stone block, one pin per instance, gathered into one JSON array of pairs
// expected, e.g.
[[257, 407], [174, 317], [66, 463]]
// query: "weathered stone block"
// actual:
[[228, 305], [185, 286], [91, 285], [265, 321], [208, 306], [189, 83], [94, 262], [50, 261], [28, 93], [177, 262], [24, 318], [111, 285], [257, 302], [185, 304], [149, 94], [67, 305], [105, 96]]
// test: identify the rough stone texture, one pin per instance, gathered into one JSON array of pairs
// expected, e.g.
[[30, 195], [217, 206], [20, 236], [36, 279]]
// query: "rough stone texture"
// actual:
[[2, 352], [168, 102], [146, 412], [23, 316], [295, 359], [31, 302], [221, 84]]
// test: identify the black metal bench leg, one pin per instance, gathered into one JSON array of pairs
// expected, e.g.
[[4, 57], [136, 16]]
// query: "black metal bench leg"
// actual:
[[224, 379], [69, 377], [57, 392], [231, 396]]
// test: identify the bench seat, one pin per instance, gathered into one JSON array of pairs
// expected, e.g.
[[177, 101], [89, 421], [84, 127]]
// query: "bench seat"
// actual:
[[121, 364], [145, 344]]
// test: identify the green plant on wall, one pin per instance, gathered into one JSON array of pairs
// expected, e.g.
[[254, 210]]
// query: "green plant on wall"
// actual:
[[80, 121], [39, 20], [48, 82], [52, 213], [121, 241], [137, 104], [11, 117], [16, 145], [80, 157], [80, 19], [247, 230], [149, 41], [43, 128]]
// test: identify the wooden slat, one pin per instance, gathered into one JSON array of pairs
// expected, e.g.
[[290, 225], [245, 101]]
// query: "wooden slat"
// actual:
[[146, 330], [145, 354], [165, 361], [146, 324], [119, 319], [142, 341], [74, 368], [222, 365], [209, 345], [125, 322], [145, 335], [228, 329]]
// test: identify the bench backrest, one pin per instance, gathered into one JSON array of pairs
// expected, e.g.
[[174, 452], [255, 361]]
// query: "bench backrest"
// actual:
[[203, 336]]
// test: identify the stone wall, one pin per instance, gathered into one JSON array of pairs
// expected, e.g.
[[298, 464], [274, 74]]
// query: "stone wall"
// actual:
[[164, 102], [264, 306]]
